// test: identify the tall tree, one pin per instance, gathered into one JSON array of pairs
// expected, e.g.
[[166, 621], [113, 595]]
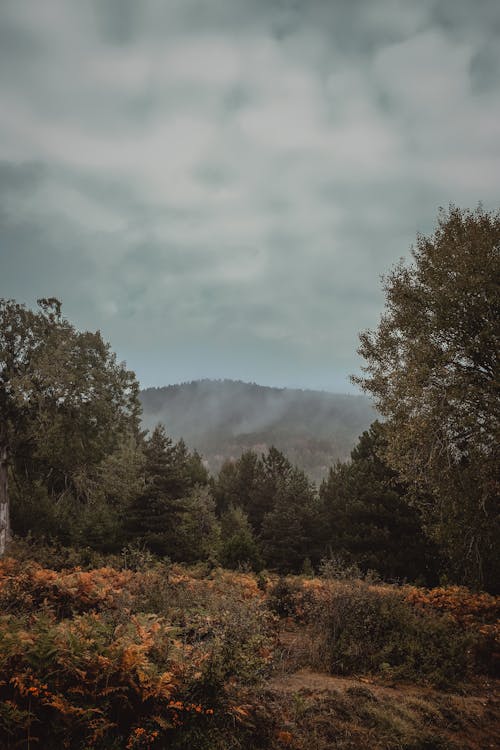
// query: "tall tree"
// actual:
[[239, 546], [273, 474], [65, 401], [290, 529], [369, 519], [167, 504], [245, 483], [432, 367], [198, 531]]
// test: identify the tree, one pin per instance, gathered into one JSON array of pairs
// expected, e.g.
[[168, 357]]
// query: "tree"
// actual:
[[369, 519], [274, 472], [65, 401], [155, 512], [236, 483], [112, 487], [251, 482], [280, 510], [198, 533], [239, 547], [432, 368], [166, 504], [290, 528]]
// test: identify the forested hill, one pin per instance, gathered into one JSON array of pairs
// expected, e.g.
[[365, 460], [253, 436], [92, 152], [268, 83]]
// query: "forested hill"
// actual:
[[222, 418]]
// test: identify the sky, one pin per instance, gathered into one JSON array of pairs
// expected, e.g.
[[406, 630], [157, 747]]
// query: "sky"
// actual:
[[218, 185]]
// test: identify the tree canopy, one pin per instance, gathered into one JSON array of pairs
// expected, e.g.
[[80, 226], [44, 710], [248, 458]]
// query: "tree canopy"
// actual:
[[65, 401], [432, 368], [368, 518]]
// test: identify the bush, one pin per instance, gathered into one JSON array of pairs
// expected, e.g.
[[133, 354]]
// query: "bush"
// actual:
[[90, 682], [336, 568], [52, 554], [283, 597], [296, 598], [82, 666], [364, 628]]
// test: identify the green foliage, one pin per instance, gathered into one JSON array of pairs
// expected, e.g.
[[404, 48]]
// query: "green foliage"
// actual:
[[238, 484], [239, 548], [136, 556], [52, 554], [290, 529], [64, 398], [370, 520], [432, 368], [281, 505], [119, 477], [362, 628], [335, 568], [198, 532], [282, 598], [65, 405], [167, 514]]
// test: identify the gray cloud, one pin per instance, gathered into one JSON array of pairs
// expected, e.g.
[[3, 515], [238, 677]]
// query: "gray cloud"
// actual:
[[218, 186]]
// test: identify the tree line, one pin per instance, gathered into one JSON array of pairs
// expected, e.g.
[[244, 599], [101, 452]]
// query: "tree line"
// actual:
[[418, 498]]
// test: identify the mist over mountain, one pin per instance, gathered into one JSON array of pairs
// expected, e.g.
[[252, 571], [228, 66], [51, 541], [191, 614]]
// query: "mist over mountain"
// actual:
[[223, 418]]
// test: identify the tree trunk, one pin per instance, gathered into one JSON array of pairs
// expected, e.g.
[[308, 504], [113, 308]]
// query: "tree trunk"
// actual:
[[4, 499]]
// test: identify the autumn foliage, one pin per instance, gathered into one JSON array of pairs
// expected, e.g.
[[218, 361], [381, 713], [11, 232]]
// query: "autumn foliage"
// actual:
[[158, 658], [80, 668]]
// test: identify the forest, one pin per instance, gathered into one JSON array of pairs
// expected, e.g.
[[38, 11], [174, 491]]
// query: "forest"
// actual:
[[223, 419], [147, 602]]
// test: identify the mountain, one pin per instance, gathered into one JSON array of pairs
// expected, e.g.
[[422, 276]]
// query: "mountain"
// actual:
[[223, 418]]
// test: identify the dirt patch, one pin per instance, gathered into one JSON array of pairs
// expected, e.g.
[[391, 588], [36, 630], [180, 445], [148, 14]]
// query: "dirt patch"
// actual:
[[467, 720], [478, 693], [310, 681]]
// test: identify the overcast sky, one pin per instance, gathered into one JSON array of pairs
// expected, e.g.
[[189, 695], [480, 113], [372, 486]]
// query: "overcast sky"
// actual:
[[217, 185]]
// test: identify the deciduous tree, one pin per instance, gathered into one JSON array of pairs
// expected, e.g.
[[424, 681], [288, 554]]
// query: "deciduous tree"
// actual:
[[65, 401], [432, 368]]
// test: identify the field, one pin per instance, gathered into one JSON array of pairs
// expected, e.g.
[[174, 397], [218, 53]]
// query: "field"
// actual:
[[161, 656]]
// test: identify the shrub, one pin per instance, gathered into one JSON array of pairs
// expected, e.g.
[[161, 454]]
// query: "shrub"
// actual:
[[295, 598], [364, 628], [50, 554], [90, 682], [476, 612], [137, 556], [282, 599], [336, 568], [81, 666]]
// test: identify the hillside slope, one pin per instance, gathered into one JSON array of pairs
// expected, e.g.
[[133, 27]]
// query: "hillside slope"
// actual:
[[221, 419]]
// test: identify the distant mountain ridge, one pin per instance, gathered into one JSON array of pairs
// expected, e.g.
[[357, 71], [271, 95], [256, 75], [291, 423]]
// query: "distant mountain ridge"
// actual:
[[222, 418]]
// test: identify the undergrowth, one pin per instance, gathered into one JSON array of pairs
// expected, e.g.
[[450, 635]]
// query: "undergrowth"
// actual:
[[153, 655]]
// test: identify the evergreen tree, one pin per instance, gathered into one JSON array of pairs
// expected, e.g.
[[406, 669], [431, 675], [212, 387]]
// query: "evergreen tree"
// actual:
[[290, 528], [239, 547], [369, 519], [154, 514], [236, 485], [198, 531], [163, 511], [273, 473]]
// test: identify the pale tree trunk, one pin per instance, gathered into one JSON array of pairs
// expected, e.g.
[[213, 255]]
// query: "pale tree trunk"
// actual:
[[4, 500]]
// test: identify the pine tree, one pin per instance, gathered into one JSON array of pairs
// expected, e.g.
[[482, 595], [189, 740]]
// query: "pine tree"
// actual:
[[239, 547], [155, 513], [289, 529], [369, 518]]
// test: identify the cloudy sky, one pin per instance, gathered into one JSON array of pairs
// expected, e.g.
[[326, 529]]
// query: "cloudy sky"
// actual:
[[217, 185]]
